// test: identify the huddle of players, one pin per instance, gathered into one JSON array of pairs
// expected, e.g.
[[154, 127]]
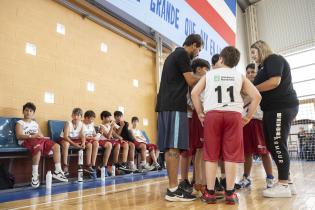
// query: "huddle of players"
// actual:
[[225, 125]]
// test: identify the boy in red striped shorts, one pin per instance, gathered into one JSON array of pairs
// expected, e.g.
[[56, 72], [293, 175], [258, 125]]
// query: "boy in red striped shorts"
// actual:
[[222, 119]]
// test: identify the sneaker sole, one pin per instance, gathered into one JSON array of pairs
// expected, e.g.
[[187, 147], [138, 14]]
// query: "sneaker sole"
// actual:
[[178, 199], [209, 202], [35, 186], [60, 179], [277, 196]]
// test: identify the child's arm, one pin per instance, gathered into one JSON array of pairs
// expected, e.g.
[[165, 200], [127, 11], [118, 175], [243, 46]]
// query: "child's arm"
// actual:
[[19, 132], [82, 137], [195, 96], [250, 90], [66, 135], [39, 134], [119, 130]]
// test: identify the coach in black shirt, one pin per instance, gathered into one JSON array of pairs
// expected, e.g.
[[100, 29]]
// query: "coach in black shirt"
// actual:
[[172, 110], [280, 106]]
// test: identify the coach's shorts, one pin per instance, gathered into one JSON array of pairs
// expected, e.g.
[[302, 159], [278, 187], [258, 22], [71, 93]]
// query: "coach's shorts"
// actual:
[[223, 137], [172, 130], [35, 145], [254, 140]]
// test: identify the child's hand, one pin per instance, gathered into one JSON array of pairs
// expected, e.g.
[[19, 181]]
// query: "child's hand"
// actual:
[[82, 146], [245, 120], [76, 145], [201, 117]]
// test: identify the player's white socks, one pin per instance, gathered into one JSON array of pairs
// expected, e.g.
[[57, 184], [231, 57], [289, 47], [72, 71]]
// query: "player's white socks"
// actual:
[[34, 169], [58, 167], [143, 162], [173, 189]]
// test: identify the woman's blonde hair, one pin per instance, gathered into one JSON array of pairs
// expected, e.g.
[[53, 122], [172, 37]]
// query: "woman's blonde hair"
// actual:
[[263, 50]]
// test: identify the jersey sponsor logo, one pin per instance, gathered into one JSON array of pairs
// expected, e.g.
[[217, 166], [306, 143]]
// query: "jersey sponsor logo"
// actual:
[[216, 78]]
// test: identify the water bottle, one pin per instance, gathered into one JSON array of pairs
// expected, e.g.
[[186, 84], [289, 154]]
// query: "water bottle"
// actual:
[[103, 173], [113, 170], [48, 180], [80, 157], [80, 174], [80, 167]]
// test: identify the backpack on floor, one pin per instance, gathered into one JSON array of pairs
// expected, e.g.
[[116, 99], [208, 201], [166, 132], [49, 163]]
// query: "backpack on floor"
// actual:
[[6, 179]]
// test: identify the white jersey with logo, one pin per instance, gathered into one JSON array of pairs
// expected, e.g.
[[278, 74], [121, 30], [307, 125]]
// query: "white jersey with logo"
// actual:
[[29, 128], [106, 128], [74, 133], [89, 130], [258, 115], [223, 90]]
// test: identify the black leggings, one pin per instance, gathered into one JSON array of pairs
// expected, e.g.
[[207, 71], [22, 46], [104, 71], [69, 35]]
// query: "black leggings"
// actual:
[[277, 126]]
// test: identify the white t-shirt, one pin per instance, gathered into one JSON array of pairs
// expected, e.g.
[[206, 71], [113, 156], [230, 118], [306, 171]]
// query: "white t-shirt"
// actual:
[[137, 133], [74, 133], [29, 128], [191, 105], [89, 130], [223, 90]]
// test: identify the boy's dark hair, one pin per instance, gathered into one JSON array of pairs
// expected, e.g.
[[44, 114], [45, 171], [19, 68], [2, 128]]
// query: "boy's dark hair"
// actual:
[[118, 114], [105, 114], [77, 111], [199, 62], [134, 119], [215, 58], [250, 66], [193, 38], [30, 106], [89, 114], [230, 56]]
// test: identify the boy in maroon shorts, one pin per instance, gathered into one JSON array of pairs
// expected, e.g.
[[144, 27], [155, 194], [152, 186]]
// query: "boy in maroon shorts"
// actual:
[[254, 141], [30, 136], [221, 116], [72, 134], [142, 145], [109, 137], [200, 68]]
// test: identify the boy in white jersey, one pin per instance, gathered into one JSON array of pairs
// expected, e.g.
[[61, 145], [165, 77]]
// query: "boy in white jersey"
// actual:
[[142, 145], [221, 116], [72, 134], [91, 142], [254, 140], [30, 136], [110, 137]]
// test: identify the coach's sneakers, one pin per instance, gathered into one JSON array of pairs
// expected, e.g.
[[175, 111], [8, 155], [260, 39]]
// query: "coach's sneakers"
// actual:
[[278, 191], [59, 175], [35, 181], [209, 197], [186, 186], [179, 195], [231, 198], [292, 188], [243, 183]]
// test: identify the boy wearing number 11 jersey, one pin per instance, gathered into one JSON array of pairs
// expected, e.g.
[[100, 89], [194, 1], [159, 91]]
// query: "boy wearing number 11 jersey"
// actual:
[[222, 120]]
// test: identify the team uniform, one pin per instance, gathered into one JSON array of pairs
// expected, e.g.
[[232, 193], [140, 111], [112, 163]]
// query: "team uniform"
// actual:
[[74, 132], [89, 132], [34, 145], [254, 140], [111, 139], [223, 105], [196, 135], [138, 141]]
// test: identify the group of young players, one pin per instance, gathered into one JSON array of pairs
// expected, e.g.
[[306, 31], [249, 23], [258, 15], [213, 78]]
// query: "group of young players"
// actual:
[[111, 135], [225, 125]]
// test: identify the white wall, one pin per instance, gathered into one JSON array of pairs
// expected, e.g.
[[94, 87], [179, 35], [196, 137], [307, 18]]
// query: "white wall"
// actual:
[[241, 40], [287, 25]]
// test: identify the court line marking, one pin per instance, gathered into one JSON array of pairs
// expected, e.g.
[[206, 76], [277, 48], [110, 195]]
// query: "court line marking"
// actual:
[[84, 196]]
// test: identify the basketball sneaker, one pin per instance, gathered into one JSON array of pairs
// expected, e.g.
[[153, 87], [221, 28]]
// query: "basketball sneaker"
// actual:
[[179, 195], [35, 180], [186, 186], [209, 197], [243, 183], [278, 191], [231, 198]]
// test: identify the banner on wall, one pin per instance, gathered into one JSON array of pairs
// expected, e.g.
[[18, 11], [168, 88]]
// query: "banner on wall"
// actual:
[[214, 20]]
